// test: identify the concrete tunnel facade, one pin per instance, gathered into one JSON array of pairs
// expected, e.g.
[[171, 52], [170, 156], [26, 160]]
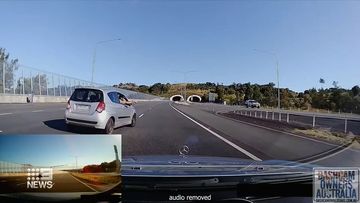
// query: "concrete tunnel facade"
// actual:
[[194, 98], [177, 97], [191, 98]]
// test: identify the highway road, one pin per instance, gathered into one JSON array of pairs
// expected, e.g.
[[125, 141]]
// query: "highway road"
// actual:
[[63, 182], [163, 127]]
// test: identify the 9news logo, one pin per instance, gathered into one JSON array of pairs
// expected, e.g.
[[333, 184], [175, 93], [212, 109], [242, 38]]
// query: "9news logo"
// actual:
[[39, 178]]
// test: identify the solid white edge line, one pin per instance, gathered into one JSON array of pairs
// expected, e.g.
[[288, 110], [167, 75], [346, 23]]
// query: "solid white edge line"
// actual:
[[1, 131], [330, 155], [141, 115], [83, 183], [3, 114], [267, 128], [219, 136]]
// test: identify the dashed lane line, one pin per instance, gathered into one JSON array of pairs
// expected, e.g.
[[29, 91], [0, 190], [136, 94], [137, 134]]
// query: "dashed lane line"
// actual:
[[35, 111], [3, 114]]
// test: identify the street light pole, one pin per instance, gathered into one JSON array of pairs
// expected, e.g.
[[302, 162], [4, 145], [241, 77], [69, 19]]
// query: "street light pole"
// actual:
[[94, 56], [277, 73], [278, 83]]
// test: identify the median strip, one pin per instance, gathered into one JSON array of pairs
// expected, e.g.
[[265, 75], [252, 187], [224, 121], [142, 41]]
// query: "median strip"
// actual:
[[219, 136]]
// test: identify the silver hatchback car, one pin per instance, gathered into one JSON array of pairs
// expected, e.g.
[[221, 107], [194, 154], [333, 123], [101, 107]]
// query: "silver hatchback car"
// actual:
[[100, 108]]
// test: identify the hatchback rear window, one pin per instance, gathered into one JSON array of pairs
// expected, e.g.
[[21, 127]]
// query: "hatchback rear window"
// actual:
[[87, 95]]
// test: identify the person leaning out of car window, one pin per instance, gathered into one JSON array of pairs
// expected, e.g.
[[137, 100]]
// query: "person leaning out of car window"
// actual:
[[124, 101]]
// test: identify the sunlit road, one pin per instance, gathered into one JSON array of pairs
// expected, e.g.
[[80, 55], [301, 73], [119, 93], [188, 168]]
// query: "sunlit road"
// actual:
[[63, 182], [164, 127]]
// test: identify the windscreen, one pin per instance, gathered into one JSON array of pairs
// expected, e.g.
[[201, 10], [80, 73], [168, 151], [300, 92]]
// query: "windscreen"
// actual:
[[195, 87]]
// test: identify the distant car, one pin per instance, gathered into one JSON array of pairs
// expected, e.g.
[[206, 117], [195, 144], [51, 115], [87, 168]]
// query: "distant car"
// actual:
[[252, 104], [99, 108]]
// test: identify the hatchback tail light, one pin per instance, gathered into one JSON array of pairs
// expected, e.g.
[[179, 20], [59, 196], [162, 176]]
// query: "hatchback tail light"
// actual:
[[68, 105], [100, 107]]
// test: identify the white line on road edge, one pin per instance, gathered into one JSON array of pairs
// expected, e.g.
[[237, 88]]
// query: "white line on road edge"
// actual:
[[330, 155], [1, 131], [84, 183], [141, 115], [219, 136], [267, 128], [37, 111], [3, 114]]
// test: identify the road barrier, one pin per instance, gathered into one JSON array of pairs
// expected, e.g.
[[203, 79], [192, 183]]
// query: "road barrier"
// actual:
[[23, 84], [340, 124], [13, 168]]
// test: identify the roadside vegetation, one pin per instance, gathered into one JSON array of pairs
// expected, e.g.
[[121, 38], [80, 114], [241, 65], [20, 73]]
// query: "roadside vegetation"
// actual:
[[333, 99]]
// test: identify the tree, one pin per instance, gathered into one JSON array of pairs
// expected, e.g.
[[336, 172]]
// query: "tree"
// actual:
[[219, 90], [156, 89], [10, 67], [335, 84], [355, 90], [248, 91], [256, 93], [322, 81], [143, 89]]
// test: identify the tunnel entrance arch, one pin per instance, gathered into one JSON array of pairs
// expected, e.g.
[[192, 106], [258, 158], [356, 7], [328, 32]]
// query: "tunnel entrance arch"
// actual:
[[194, 98], [177, 97]]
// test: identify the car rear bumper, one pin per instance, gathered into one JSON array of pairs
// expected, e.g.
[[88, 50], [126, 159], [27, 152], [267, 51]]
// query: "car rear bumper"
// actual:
[[96, 120]]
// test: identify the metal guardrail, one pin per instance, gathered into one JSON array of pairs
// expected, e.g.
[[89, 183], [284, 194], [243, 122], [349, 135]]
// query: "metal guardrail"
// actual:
[[340, 124]]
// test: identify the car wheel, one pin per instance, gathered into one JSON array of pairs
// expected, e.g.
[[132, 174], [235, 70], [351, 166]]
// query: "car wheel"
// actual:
[[133, 120], [109, 128]]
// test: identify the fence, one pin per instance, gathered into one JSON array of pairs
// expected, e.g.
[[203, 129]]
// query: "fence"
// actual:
[[23, 80], [9, 167], [339, 124]]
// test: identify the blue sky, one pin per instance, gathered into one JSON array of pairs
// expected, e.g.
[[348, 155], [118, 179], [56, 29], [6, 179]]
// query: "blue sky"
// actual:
[[312, 39], [50, 150]]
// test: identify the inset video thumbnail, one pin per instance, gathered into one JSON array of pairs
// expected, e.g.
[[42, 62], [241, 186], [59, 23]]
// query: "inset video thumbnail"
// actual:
[[71, 168]]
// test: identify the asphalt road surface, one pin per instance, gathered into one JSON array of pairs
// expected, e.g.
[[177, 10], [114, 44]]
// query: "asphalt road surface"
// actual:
[[63, 182], [163, 127]]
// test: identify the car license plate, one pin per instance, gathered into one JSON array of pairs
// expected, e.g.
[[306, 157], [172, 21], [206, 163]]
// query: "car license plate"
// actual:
[[83, 107]]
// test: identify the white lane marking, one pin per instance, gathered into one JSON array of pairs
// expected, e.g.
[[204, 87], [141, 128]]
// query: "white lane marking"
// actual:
[[84, 183], [1, 131], [20, 184], [219, 136], [279, 131], [330, 155], [141, 115], [37, 111], [3, 114]]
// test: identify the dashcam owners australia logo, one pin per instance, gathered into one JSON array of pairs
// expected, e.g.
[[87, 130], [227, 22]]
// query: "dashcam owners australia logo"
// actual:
[[336, 185], [39, 178]]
